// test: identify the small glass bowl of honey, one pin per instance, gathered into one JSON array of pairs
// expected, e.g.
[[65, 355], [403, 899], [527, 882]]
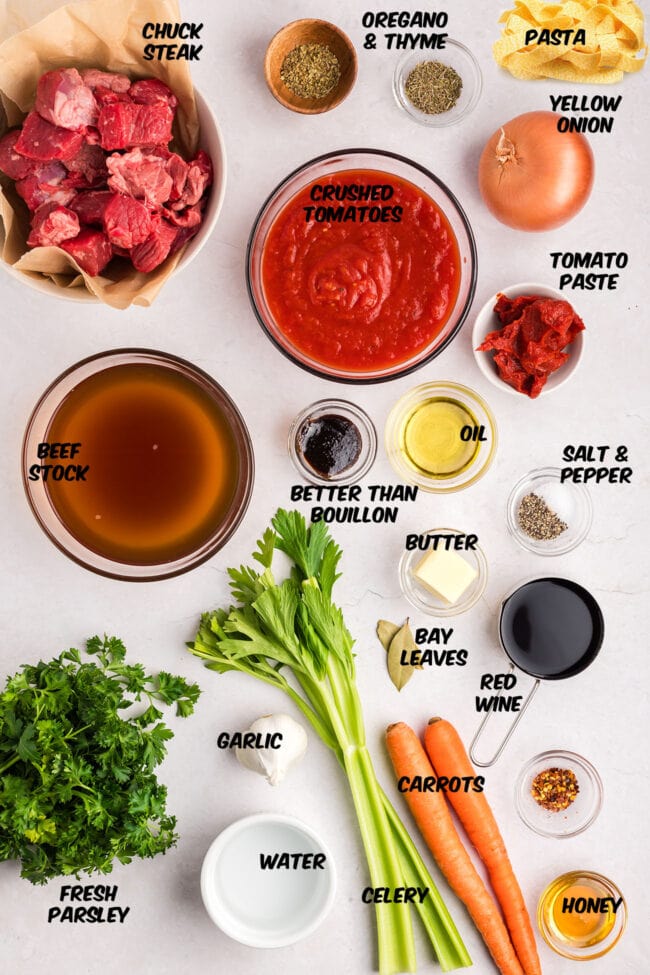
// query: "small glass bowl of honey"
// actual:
[[581, 915]]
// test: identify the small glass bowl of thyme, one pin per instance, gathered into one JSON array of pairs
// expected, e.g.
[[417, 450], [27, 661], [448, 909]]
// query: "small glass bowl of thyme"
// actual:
[[438, 87], [558, 794], [547, 516]]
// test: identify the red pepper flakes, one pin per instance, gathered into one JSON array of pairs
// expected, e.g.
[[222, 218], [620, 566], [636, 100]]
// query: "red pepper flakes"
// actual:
[[555, 789]]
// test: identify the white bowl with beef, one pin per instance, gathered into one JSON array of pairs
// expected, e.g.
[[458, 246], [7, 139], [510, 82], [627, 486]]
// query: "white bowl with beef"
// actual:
[[155, 198]]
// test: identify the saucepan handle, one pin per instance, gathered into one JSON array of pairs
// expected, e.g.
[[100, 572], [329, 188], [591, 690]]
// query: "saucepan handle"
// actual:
[[509, 733]]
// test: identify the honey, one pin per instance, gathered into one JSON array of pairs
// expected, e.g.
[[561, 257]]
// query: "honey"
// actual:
[[581, 915], [162, 463]]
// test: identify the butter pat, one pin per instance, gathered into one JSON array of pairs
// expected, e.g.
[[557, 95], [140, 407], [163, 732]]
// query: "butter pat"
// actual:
[[445, 574]]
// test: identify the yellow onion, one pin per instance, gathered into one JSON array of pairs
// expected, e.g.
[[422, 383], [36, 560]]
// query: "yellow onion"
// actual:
[[533, 177]]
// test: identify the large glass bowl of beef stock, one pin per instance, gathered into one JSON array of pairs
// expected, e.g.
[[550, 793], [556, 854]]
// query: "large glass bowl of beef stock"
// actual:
[[194, 398], [385, 163]]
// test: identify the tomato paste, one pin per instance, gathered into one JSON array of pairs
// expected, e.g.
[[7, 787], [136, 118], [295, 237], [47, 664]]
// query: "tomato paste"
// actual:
[[361, 270], [532, 343]]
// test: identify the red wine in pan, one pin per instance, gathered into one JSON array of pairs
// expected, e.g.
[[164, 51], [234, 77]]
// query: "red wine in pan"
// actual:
[[551, 628]]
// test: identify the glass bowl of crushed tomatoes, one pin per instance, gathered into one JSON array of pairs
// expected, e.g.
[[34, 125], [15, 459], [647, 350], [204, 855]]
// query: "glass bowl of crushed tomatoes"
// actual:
[[528, 339], [361, 266]]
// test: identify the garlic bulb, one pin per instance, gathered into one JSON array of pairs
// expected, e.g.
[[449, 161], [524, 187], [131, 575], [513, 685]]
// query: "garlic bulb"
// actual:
[[280, 742]]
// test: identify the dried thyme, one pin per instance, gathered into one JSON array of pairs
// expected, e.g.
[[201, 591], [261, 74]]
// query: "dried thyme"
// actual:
[[310, 71], [433, 87], [537, 520]]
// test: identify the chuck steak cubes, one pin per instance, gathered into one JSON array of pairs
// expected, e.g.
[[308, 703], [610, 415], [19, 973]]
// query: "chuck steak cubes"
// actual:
[[93, 165]]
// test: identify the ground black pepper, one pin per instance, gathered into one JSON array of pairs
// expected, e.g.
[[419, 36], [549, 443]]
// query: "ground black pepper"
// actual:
[[537, 520]]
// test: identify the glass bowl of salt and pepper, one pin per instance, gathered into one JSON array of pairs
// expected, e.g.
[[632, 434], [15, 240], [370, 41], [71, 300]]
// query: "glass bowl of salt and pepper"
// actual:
[[547, 516]]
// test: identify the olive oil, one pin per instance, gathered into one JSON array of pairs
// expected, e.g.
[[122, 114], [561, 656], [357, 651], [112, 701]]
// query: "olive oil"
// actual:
[[162, 463], [431, 439]]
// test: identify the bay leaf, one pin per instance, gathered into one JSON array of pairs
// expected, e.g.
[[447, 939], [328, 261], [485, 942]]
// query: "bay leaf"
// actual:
[[400, 674], [386, 631]]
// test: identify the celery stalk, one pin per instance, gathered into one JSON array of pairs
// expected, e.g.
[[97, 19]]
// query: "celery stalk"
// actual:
[[294, 625]]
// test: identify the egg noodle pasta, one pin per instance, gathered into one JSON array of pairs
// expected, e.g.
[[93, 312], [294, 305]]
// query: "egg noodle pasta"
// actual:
[[611, 42]]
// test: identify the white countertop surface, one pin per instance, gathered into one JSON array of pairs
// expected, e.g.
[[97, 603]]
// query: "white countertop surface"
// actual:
[[203, 314]]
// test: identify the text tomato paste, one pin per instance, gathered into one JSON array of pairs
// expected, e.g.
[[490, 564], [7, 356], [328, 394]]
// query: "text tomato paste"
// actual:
[[361, 270]]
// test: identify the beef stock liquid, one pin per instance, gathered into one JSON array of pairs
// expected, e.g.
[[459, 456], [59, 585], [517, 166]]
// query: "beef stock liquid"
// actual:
[[163, 464]]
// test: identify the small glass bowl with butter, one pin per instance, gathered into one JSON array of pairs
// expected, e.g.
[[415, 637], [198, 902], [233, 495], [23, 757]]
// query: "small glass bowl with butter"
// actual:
[[441, 436], [447, 577]]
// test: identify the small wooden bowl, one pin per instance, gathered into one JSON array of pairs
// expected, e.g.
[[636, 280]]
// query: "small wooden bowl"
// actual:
[[310, 31]]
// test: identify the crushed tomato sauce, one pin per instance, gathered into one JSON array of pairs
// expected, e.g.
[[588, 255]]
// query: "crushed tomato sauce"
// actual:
[[361, 295], [530, 345]]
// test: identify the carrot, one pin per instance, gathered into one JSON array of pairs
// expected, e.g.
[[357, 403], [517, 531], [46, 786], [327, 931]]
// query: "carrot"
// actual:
[[449, 758], [433, 818]]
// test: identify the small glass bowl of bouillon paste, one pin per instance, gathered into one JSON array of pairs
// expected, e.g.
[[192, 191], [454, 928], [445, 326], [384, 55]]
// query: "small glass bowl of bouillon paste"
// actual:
[[332, 441]]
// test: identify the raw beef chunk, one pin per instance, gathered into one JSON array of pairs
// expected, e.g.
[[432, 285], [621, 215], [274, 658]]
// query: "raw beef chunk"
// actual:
[[91, 206], [46, 184], [91, 250], [51, 225], [150, 91], [126, 221], [43, 141], [90, 162], [140, 175], [156, 247], [106, 80], [124, 125], [64, 100], [12, 164]]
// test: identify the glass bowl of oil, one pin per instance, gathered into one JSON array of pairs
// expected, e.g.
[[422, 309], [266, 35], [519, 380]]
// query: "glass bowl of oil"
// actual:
[[441, 436], [581, 915], [137, 464]]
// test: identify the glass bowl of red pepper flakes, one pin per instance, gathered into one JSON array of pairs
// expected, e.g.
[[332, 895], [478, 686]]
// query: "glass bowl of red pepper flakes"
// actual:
[[528, 339], [559, 794]]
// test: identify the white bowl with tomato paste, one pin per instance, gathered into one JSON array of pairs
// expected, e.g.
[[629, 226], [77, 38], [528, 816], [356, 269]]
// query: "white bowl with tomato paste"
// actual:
[[211, 141], [361, 266], [487, 321]]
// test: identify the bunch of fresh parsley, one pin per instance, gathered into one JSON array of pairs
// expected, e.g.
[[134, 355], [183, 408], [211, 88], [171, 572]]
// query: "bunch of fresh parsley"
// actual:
[[77, 787]]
